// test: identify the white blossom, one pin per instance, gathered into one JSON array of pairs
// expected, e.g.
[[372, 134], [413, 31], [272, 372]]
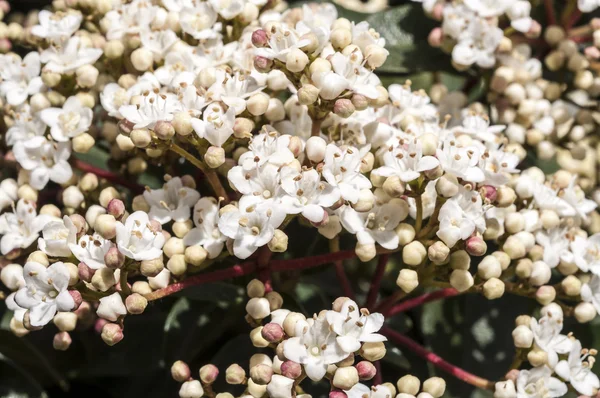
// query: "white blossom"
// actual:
[[45, 161], [538, 383], [341, 169], [22, 227], [57, 236], [577, 372], [56, 26], [69, 56], [354, 326], [91, 249], [20, 78], [172, 202], [138, 238], [206, 233], [69, 121]]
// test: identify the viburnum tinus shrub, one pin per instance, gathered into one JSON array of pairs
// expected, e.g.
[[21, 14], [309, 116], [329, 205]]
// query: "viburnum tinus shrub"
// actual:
[[248, 143]]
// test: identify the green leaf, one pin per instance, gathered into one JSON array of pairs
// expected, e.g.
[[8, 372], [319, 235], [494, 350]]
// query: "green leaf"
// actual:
[[217, 292]]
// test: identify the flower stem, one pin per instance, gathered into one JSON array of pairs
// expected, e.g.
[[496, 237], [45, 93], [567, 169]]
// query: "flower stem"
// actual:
[[107, 175], [123, 282], [315, 131], [550, 14], [376, 281], [422, 299], [419, 217], [436, 360], [211, 176], [334, 247]]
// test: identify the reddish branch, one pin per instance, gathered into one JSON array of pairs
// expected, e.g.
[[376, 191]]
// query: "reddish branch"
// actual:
[[425, 298], [436, 360], [108, 175], [376, 282], [550, 15]]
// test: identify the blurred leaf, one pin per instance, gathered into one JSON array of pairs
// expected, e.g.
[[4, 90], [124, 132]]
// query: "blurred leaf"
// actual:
[[15, 382], [96, 157], [26, 356], [217, 292]]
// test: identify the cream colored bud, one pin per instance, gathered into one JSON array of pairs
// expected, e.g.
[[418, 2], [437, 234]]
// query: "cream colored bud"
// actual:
[[65, 321], [319, 65], [26, 192], [142, 59], [365, 252], [514, 248], [173, 246], [106, 226], [255, 289], [524, 268], [555, 60], [141, 138], [51, 79], [191, 389], [414, 253], [341, 38], [124, 143], [141, 287], [108, 194], [275, 300], [180, 371], [195, 255], [275, 110], [461, 280], [408, 280], [571, 285], [540, 273], [86, 76], [152, 268], [372, 351], [545, 295], [39, 256], [290, 321], [522, 336], [537, 357], [140, 204], [114, 49], [409, 384], [515, 93], [394, 187], [72, 197], [315, 149], [308, 94], [257, 339], [345, 378], [177, 265], [493, 288], [38, 102], [136, 303], [554, 34], [104, 279], [182, 123], [585, 312], [489, 267], [258, 104], [502, 258], [235, 374], [181, 228], [435, 386], [214, 156], [438, 252], [279, 242], [296, 60], [258, 308], [376, 55], [406, 233], [447, 186], [460, 259]]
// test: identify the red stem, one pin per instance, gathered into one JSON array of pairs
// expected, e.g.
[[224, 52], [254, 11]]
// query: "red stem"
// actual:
[[550, 14], [108, 175], [378, 379], [376, 282], [573, 19], [436, 360], [343, 279], [425, 298]]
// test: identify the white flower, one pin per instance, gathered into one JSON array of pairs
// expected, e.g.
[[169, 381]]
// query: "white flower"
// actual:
[[57, 25], [519, 14], [228, 9], [363, 36], [159, 42], [555, 244], [590, 292], [376, 225], [45, 160], [179, 67], [547, 199], [263, 183], [546, 334], [477, 44], [25, 126], [280, 387], [216, 126], [18, 311], [57, 236], [111, 307], [346, 75], [315, 348], [307, 194], [489, 8], [200, 21], [22, 227], [8, 192], [354, 326], [154, 108], [250, 226], [460, 161], [587, 5], [416, 103], [341, 168], [20, 78], [267, 147], [586, 253], [478, 126], [281, 41], [498, 165], [69, 56], [575, 197], [172, 202], [460, 217], [206, 233], [406, 161], [538, 383], [69, 121], [113, 97], [233, 90], [360, 390], [138, 238], [91, 250], [577, 372], [45, 292]]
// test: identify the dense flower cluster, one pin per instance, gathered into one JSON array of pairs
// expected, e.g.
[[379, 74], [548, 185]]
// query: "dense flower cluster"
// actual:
[[283, 115]]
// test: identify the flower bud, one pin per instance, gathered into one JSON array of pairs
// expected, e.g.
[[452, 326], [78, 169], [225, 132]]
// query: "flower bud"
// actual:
[[260, 38], [258, 308], [514, 248], [85, 273], [435, 386], [83, 143], [114, 258], [275, 300], [65, 321], [290, 321], [191, 389], [522, 337], [106, 195], [540, 273], [308, 94], [235, 374], [438, 252], [62, 341], [86, 76], [571, 285], [460, 259], [296, 60], [345, 378], [408, 384], [461, 280], [261, 374], [585, 312], [111, 333], [408, 280], [209, 373], [262, 64], [291, 369], [343, 108], [476, 246], [489, 267], [414, 253], [180, 371], [545, 295], [366, 370], [255, 288], [376, 55], [537, 357], [141, 138], [493, 288], [114, 49], [394, 187], [136, 303], [72, 197], [195, 255], [142, 59], [214, 157], [103, 279], [315, 149], [505, 196], [12, 276], [151, 268], [279, 242], [272, 332], [258, 104], [372, 351], [406, 233], [365, 252]]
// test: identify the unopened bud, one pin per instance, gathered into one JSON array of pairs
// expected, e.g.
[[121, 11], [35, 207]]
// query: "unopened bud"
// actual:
[[315, 149], [345, 378], [191, 389], [545, 295], [260, 38], [258, 308], [279, 242], [493, 288], [476, 246], [180, 371], [408, 280], [214, 157], [366, 370], [461, 280], [343, 108], [62, 341], [291, 369], [136, 303], [414, 253], [409, 384], [111, 333], [308, 94], [114, 258], [261, 374], [209, 373], [522, 336], [585, 312], [235, 374], [435, 386], [372, 351], [272, 332]]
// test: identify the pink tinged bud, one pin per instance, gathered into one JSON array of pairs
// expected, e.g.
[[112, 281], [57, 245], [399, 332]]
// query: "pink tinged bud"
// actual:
[[323, 222], [438, 11], [80, 223], [180, 371], [489, 192], [62, 341], [116, 208], [114, 258], [534, 31], [155, 226], [476, 246], [592, 52], [595, 23], [262, 64], [99, 325], [291, 369], [209, 373], [435, 37], [366, 370], [335, 393], [512, 375], [260, 38], [272, 332], [343, 107], [112, 334], [5, 7], [85, 272], [76, 299], [5, 45]]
